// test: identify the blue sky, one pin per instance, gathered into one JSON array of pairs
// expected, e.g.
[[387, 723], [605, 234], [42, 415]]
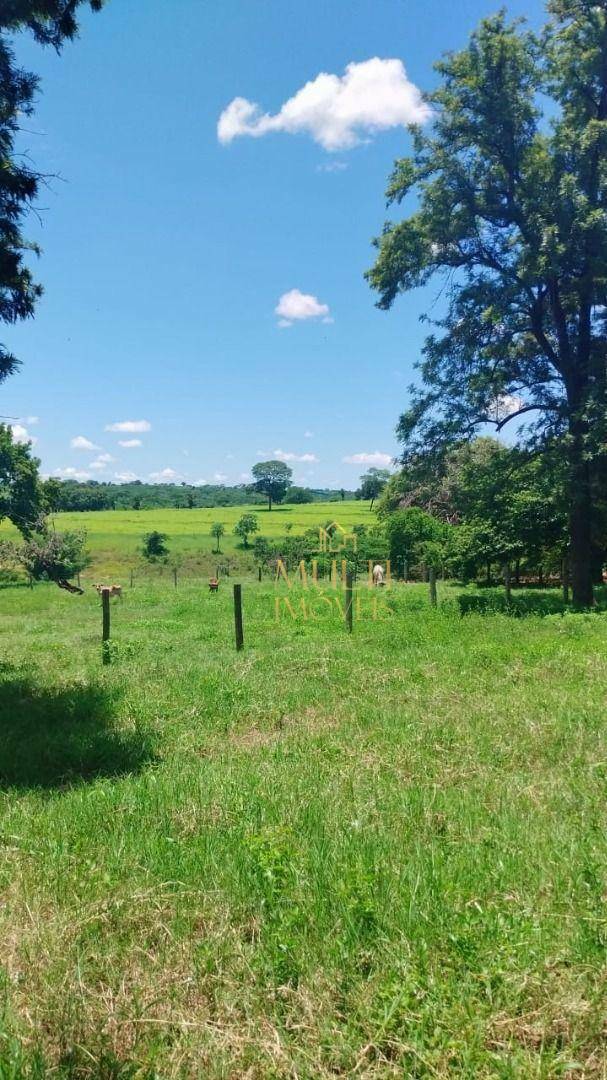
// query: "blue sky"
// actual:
[[166, 251]]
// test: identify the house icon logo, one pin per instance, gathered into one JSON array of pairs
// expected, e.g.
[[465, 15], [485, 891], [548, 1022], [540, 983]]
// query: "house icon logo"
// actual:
[[334, 538]]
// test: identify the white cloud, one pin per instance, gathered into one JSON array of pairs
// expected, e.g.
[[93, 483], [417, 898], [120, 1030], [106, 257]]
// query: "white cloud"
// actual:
[[101, 462], [134, 426], [288, 455], [22, 435], [376, 458], [308, 434], [72, 474], [165, 476], [125, 477], [219, 477], [295, 306], [31, 420], [82, 443], [245, 478], [129, 443], [336, 111]]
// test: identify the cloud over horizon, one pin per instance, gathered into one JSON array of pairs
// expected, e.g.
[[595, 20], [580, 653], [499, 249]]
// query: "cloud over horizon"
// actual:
[[379, 460], [132, 426], [337, 111]]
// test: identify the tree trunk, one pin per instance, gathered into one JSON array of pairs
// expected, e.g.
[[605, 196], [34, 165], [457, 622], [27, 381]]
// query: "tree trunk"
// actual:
[[580, 520], [517, 572], [488, 572]]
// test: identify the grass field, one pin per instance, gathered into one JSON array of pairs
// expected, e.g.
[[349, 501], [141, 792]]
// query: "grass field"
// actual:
[[115, 536], [381, 855]]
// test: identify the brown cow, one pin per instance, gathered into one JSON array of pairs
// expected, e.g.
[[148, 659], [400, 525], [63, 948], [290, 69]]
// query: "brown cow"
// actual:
[[114, 590]]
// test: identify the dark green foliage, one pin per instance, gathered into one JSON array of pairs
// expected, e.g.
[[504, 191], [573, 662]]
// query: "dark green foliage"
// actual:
[[272, 478], [52, 556], [299, 495], [372, 483], [154, 545], [22, 498], [512, 216], [246, 525], [416, 537]]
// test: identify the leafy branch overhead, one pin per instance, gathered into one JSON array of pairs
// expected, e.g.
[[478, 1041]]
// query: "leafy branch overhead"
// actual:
[[52, 22]]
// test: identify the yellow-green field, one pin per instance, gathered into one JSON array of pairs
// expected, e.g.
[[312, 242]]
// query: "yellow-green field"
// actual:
[[114, 536]]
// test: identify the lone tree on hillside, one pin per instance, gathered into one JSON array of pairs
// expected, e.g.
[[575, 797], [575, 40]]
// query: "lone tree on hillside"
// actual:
[[246, 525], [512, 214], [272, 478], [217, 530], [52, 22], [372, 483]]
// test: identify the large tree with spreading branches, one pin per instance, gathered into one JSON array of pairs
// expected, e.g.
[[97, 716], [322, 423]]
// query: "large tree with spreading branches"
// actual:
[[511, 179]]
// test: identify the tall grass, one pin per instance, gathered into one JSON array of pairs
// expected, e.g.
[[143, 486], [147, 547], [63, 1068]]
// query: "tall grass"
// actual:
[[372, 855]]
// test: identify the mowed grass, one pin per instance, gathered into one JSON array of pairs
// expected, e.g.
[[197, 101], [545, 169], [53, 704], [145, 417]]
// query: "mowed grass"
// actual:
[[377, 855], [114, 537]]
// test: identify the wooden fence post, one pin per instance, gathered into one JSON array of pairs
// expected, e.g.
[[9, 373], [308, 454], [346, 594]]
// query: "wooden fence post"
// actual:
[[259, 573], [432, 580], [105, 633], [507, 582], [238, 617], [348, 611]]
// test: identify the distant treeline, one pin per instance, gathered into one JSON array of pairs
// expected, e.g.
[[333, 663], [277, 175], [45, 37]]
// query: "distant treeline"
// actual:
[[71, 495]]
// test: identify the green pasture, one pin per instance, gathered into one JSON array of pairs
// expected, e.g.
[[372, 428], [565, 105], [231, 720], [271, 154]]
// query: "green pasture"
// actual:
[[114, 536], [376, 855]]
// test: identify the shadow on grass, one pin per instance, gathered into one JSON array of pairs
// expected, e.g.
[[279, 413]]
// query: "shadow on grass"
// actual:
[[525, 602], [56, 737]]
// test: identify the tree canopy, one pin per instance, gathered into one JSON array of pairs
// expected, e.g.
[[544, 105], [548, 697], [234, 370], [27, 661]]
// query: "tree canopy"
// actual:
[[512, 186], [272, 478]]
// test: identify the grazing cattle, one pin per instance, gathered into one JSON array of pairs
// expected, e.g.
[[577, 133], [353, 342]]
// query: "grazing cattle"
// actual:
[[213, 584], [114, 590]]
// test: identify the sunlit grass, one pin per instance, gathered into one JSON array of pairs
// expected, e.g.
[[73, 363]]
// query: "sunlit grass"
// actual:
[[377, 855], [114, 537]]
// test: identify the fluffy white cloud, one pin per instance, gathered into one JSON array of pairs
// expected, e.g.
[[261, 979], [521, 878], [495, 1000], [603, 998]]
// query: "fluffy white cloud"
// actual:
[[72, 474], [165, 476], [125, 477], [337, 111], [133, 426], [376, 458], [288, 455], [308, 434], [295, 306], [219, 477], [82, 443], [129, 443], [22, 435]]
